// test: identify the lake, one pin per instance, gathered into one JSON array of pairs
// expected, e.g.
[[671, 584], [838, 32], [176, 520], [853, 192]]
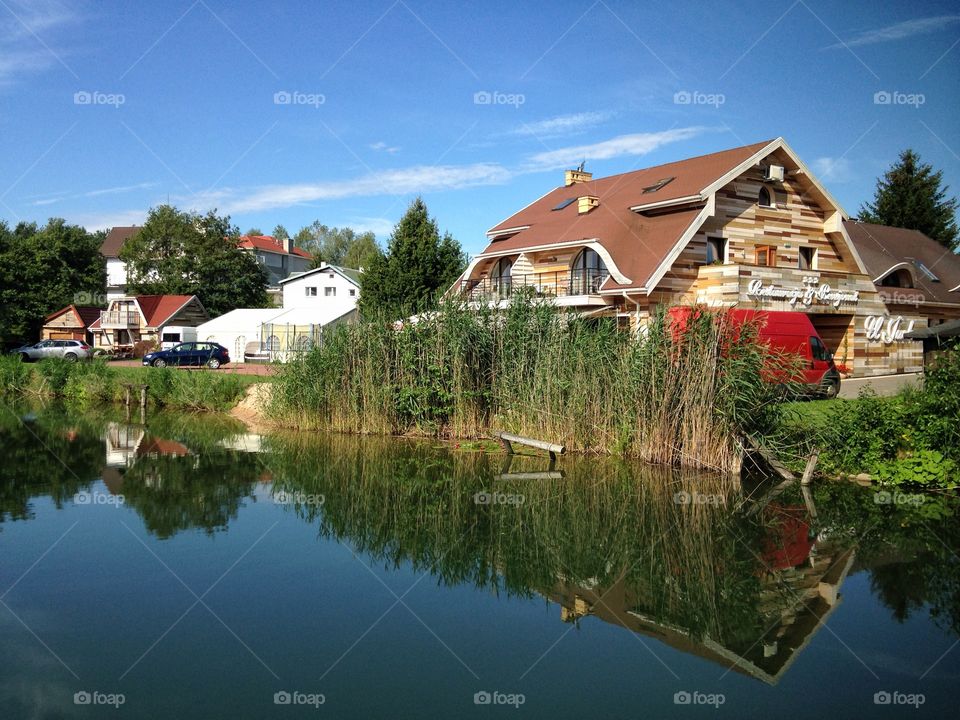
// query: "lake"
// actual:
[[188, 569]]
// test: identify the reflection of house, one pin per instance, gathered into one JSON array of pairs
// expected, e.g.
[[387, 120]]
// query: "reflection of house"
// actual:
[[70, 323], [147, 318], [312, 302], [121, 441], [750, 226], [793, 604]]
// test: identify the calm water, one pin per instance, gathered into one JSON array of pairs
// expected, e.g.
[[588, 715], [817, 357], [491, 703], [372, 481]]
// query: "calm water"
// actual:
[[187, 570]]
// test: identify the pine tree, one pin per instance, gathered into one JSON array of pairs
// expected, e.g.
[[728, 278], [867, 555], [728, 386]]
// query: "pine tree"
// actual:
[[911, 195], [417, 267]]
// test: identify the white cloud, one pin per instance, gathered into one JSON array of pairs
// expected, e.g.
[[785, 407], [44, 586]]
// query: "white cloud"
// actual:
[[635, 145], [899, 31], [403, 181], [21, 53], [49, 200], [561, 125], [833, 169], [378, 226], [383, 147], [107, 220]]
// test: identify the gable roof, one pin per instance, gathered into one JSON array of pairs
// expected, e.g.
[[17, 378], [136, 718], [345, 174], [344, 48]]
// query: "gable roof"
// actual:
[[116, 238], [885, 249], [633, 224], [349, 273], [84, 314], [158, 309], [268, 243]]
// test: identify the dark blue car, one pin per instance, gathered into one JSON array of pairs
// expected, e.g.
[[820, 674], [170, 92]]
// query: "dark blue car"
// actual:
[[190, 353]]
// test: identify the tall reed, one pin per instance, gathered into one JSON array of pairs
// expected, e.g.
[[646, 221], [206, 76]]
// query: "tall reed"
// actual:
[[662, 396]]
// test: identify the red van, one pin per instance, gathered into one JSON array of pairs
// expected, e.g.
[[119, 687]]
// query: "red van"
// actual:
[[789, 332]]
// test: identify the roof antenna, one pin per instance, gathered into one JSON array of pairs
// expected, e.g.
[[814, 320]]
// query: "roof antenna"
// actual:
[[582, 163]]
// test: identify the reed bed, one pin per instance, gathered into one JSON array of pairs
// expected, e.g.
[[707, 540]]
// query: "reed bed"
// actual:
[[535, 370]]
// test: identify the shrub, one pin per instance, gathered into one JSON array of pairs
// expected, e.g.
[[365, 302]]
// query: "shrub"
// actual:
[[14, 375]]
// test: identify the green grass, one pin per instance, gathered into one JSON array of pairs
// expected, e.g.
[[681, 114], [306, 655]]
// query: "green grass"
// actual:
[[87, 384]]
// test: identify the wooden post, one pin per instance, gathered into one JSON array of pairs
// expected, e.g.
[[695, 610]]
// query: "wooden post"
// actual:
[[143, 395], [126, 395], [811, 466], [507, 440]]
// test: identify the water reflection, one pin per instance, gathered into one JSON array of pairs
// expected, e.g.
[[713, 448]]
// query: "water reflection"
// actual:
[[677, 557]]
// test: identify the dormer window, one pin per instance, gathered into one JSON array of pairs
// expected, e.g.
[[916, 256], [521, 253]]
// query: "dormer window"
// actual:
[[764, 199]]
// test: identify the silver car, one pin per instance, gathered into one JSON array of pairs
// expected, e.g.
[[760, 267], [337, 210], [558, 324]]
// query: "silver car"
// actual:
[[71, 350]]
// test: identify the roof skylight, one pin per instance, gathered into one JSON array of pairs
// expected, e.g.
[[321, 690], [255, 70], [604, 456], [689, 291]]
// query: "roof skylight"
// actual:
[[657, 185], [564, 203], [925, 270]]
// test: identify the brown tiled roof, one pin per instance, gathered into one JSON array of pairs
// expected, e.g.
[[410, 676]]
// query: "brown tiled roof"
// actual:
[[86, 315], [270, 244], [637, 243], [116, 238], [881, 247]]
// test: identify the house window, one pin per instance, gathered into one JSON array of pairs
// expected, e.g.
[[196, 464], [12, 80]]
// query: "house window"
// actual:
[[764, 199], [310, 291], [716, 250], [329, 292], [766, 255], [587, 273], [353, 292], [898, 278], [808, 258]]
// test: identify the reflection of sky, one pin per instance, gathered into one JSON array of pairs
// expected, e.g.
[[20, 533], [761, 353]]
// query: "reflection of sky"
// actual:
[[100, 599]]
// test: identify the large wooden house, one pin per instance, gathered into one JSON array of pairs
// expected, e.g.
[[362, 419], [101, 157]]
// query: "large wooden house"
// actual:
[[750, 227]]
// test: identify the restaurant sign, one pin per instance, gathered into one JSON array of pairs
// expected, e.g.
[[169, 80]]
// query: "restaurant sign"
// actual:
[[887, 330], [811, 292]]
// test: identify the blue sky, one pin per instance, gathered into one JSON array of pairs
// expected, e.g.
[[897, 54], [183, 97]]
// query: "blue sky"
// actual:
[[279, 112]]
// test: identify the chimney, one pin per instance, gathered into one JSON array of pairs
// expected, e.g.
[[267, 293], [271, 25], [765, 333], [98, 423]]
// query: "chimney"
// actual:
[[572, 177], [288, 245], [586, 203]]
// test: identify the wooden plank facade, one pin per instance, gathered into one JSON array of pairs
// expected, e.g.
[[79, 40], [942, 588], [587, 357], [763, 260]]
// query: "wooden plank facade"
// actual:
[[766, 236]]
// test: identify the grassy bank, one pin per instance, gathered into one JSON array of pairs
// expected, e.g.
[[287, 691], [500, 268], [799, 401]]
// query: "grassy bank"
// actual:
[[910, 439], [537, 371], [91, 383]]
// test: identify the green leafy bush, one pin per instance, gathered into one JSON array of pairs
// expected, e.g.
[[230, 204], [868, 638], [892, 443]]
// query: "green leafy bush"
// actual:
[[926, 468]]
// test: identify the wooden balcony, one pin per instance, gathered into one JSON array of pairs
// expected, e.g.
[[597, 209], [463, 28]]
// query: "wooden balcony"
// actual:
[[566, 283], [119, 319]]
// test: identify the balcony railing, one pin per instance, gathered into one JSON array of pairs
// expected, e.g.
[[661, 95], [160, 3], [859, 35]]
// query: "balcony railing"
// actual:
[[551, 284], [119, 319]]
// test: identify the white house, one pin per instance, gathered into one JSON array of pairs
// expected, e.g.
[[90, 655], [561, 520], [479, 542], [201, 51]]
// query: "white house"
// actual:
[[327, 287], [116, 268], [313, 301]]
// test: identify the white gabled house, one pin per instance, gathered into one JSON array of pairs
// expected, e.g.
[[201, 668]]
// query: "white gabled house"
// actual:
[[313, 301]]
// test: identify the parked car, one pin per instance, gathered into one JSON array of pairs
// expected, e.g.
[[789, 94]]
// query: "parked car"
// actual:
[[70, 350], [190, 353]]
